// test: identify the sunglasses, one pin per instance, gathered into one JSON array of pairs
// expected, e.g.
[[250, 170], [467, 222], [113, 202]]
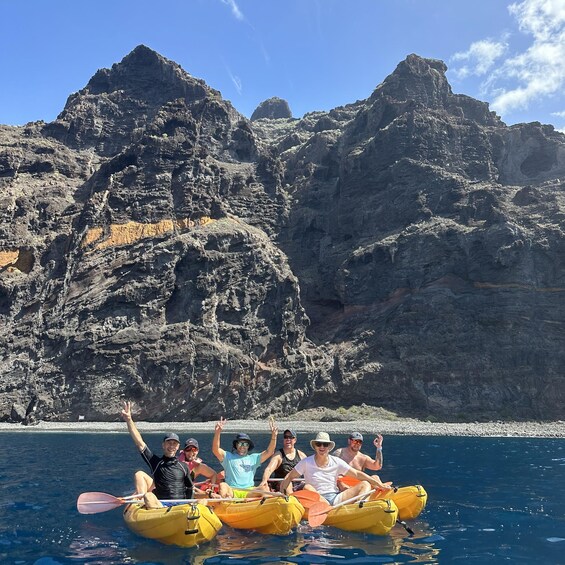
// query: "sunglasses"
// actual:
[[191, 448], [243, 443], [288, 437], [356, 440], [321, 444]]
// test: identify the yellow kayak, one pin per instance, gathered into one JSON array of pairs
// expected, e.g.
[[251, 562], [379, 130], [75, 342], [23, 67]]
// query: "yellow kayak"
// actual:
[[275, 515], [409, 500], [371, 517], [185, 525]]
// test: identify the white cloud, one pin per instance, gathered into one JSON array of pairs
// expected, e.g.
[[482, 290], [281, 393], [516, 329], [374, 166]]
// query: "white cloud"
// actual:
[[524, 77], [540, 70], [236, 82], [481, 56], [559, 114], [238, 14], [541, 18]]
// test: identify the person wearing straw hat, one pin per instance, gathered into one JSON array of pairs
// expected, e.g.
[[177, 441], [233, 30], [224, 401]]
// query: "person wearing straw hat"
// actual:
[[321, 472], [240, 464]]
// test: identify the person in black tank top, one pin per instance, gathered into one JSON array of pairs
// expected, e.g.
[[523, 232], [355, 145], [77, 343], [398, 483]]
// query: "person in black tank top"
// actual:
[[287, 464], [170, 477], [282, 462]]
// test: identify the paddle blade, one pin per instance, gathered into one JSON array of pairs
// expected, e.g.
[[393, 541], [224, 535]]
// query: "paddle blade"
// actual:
[[307, 498], [97, 502], [348, 481], [317, 513]]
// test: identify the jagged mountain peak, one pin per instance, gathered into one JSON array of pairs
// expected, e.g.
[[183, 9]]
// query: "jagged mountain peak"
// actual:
[[272, 108], [144, 72], [118, 101], [417, 79]]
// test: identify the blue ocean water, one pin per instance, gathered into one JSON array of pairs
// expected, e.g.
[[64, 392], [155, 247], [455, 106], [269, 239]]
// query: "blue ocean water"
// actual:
[[491, 500]]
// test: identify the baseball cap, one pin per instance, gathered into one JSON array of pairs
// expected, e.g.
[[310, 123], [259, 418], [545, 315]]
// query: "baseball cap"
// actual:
[[356, 435], [191, 442], [170, 435]]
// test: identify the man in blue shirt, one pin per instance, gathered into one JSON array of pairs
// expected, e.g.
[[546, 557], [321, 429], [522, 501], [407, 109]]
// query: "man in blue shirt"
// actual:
[[239, 464]]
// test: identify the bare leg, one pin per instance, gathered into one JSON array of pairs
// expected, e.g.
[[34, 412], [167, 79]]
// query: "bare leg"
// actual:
[[360, 488], [151, 501], [143, 482], [225, 491]]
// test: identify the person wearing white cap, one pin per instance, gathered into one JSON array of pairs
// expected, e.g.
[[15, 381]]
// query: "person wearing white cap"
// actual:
[[171, 478], [321, 472], [352, 453]]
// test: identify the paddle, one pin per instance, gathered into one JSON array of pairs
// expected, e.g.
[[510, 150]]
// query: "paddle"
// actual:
[[260, 491], [98, 502], [318, 512], [352, 481], [307, 497]]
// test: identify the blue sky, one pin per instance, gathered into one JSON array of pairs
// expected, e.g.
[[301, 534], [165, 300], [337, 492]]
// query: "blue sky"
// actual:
[[317, 54]]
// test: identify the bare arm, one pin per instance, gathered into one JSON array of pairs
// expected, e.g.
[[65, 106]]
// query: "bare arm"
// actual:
[[132, 428], [294, 474], [376, 463], [208, 472], [273, 464], [272, 444], [374, 480], [216, 449]]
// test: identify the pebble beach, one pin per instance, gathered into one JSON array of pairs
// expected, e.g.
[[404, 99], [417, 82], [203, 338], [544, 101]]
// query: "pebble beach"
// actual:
[[385, 427]]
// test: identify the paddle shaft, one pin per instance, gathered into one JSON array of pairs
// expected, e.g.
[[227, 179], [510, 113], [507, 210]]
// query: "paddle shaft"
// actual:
[[348, 501]]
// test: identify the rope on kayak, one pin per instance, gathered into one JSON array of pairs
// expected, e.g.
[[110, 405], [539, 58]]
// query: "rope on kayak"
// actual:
[[194, 515]]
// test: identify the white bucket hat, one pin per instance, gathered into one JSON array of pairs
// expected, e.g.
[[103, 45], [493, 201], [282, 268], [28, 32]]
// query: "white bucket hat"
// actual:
[[322, 436]]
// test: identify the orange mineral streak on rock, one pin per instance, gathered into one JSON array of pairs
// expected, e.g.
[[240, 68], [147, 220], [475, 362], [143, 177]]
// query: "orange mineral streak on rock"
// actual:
[[131, 232], [518, 286], [17, 260], [8, 258]]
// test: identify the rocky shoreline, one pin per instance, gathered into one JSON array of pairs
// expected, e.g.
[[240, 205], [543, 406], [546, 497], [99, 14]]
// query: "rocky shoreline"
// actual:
[[373, 426]]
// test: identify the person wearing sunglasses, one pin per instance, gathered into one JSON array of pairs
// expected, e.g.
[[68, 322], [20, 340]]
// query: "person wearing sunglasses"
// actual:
[[189, 455], [240, 464], [352, 453], [322, 470], [170, 478], [282, 462]]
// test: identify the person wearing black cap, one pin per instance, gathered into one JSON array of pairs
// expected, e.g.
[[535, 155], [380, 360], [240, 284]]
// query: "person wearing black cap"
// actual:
[[189, 455], [352, 453], [283, 461], [170, 477], [239, 464]]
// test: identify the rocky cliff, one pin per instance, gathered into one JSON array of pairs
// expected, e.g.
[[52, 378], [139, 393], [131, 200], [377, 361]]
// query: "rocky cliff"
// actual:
[[405, 251]]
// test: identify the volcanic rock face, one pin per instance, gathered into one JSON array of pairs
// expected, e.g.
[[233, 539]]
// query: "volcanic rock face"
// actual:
[[405, 251], [273, 108]]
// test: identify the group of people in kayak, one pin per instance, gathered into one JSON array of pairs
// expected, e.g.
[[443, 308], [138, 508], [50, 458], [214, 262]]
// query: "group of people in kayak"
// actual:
[[173, 477]]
